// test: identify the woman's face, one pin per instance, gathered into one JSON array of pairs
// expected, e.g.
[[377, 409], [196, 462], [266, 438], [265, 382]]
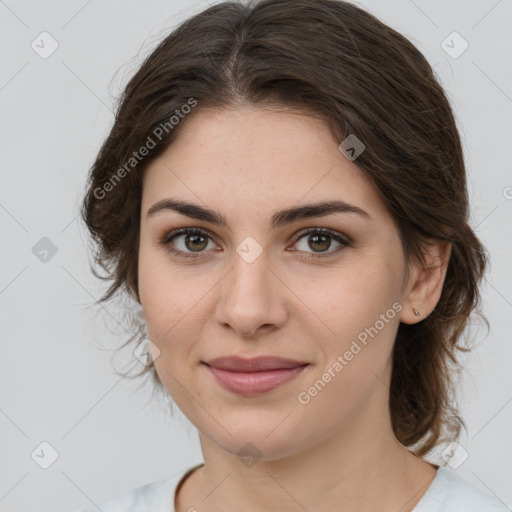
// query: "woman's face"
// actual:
[[262, 285]]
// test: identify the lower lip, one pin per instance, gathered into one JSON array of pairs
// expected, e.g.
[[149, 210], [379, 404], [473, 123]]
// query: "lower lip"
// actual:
[[254, 383]]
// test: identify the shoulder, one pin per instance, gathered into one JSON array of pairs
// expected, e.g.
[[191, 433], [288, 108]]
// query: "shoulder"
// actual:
[[157, 496], [451, 493]]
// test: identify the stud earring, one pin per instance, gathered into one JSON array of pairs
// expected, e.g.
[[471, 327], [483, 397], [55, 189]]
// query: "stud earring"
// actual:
[[416, 312]]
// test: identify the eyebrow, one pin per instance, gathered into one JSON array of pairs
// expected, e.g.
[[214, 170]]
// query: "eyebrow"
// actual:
[[280, 218]]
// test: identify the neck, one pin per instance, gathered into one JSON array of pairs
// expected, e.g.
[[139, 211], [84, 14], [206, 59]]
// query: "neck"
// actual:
[[360, 467]]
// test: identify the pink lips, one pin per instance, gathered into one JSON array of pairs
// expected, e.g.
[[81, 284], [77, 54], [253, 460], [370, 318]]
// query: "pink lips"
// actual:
[[253, 376]]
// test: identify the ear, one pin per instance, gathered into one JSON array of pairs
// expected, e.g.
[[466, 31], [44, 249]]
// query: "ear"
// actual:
[[425, 284]]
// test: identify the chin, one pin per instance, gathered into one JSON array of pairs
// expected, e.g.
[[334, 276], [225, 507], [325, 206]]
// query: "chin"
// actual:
[[254, 442]]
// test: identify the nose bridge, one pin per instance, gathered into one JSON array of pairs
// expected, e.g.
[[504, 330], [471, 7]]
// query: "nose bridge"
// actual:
[[249, 295], [249, 274]]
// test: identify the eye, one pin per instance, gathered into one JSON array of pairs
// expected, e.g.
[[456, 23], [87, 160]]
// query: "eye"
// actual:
[[192, 242], [320, 241]]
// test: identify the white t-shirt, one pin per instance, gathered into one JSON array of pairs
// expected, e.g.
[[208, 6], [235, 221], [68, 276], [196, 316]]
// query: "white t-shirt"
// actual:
[[448, 492]]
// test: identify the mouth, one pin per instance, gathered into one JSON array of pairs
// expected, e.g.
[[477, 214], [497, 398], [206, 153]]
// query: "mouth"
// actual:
[[255, 376]]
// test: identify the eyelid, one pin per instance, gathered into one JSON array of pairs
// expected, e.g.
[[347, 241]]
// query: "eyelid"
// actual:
[[332, 232]]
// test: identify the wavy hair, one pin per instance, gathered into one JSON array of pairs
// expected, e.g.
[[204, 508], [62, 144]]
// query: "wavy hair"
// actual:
[[334, 60]]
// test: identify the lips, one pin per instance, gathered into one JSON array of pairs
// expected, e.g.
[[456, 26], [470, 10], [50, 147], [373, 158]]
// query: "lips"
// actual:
[[255, 376], [256, 364]]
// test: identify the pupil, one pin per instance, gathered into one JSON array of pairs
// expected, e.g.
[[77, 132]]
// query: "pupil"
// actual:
[[194, 239], [314, 238]]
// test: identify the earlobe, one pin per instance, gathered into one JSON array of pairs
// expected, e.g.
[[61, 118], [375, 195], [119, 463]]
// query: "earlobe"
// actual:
[[426, 283]]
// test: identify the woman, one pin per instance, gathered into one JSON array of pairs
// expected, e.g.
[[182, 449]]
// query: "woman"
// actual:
[[284, 194]]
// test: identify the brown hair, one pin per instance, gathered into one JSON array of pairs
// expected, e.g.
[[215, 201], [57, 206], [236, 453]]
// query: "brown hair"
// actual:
[[337, 61]]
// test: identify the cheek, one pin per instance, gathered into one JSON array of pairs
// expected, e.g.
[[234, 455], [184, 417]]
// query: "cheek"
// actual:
[[165, 311], [353, 296], [174, 301], [163, 289], [356, 361], [358, 316]]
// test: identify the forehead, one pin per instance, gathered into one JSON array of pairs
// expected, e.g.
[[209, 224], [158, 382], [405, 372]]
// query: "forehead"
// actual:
[[253, 161]]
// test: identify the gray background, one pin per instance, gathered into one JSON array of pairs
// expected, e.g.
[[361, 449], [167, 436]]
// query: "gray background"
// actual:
[[55, 384]]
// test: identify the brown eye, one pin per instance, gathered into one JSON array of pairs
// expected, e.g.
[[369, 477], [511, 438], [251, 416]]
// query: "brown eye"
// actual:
[[320, 241], [195, 242], [187, 241]]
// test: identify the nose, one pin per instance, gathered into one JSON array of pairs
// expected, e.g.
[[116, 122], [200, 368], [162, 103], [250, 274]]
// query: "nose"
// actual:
[[252, 297]]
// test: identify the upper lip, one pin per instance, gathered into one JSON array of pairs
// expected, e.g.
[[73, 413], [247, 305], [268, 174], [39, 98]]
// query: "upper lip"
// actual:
[[256, 364]]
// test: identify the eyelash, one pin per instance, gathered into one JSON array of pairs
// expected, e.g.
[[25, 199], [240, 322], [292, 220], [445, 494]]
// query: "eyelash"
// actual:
[[166, 241]]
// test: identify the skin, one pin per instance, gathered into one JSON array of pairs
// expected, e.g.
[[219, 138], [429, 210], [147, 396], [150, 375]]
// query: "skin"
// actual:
[[337, 452]]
